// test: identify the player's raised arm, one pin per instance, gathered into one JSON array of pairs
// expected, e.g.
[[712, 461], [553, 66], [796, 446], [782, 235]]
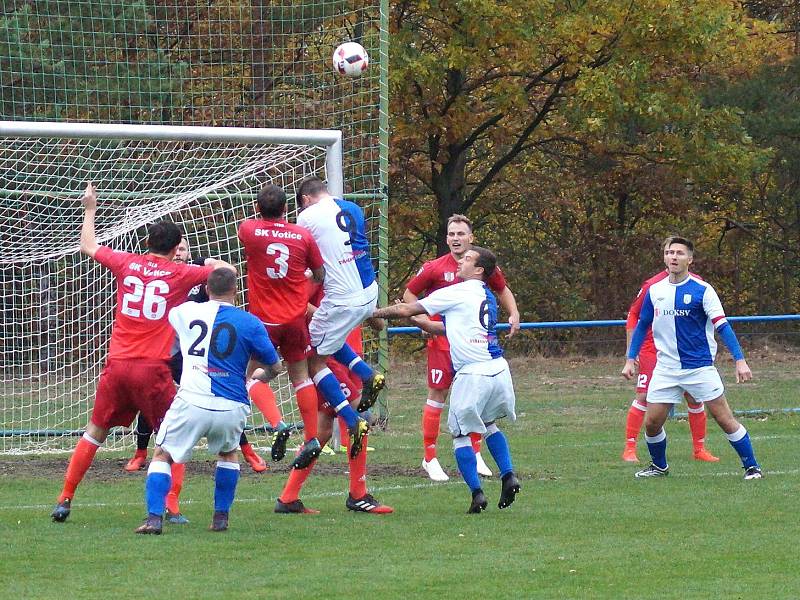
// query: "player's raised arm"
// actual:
[[404, 309], [509, 304], [217, 263], [89, 244]]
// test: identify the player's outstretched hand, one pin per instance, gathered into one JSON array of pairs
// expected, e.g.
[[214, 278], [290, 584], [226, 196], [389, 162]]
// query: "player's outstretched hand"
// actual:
[[629, 370], [743, 372], [375, 323], [89, 199], [514, 323]]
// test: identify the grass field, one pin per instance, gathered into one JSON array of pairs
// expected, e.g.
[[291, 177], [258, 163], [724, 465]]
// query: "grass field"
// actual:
[[582, 526]]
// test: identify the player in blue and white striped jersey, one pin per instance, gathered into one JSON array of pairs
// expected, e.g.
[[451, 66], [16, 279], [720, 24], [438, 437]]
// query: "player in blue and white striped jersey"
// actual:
[[351, 294], [482, 390], [218, 342], [684, 313]]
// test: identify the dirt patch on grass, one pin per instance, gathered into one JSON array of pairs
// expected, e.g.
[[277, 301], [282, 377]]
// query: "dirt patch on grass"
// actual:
[[113, 469]]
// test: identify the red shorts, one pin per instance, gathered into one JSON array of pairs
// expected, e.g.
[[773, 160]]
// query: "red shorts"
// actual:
[[647, 362], [440, 369], [350, 384], [130, 386], [291, 339]]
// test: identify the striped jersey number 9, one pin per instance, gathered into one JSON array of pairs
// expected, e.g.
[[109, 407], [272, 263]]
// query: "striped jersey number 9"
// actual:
[[147, 297], [281, 253], [483, 314], [346, 223]]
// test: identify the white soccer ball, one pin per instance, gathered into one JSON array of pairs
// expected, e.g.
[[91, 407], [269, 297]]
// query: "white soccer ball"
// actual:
[[350, 59]]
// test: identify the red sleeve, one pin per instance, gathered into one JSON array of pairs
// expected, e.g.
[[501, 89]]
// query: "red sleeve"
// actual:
[[497, 282], [314, 257], [421, 281], [194, 275], [241, 233], [636, 308], [111, 259]]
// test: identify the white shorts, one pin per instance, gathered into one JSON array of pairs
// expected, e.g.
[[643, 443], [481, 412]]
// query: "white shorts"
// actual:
[[333, 321], [185, 424], [668, 385], [481, 395]]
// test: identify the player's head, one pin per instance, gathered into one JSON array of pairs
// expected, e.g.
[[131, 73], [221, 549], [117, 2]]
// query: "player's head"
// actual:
[[163, 238], [311, 190], [459, 235], [271, 202], [182, 254], [221, 283], [477, 263], [678, 254]]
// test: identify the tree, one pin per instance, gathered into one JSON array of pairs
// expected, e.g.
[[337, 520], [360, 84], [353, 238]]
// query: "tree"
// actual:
[[479, 87]]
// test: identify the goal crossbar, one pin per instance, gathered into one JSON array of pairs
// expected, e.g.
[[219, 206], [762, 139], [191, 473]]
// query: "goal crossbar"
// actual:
[[331, 139]]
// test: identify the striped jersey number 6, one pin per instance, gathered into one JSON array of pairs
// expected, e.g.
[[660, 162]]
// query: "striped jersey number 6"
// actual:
[[153, 305], [281, 253], [483, 315]]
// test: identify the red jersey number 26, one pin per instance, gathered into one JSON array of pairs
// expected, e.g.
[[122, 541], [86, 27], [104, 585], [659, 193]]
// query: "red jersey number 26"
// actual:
[[144, 298]]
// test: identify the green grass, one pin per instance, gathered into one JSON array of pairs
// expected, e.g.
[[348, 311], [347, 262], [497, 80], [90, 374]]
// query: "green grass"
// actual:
[[582, 527]]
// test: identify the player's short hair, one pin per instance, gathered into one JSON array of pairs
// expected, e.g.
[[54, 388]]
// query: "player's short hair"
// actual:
[[163, 236], [222, 281], [676, 239], [487, 260], [456, 218], [311, 186], [271, 201]]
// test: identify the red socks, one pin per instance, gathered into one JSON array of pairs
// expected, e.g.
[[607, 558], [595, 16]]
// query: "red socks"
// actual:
[[697, 425], [475, 438], [633, 425], [178, 471], [264, 398], [79, 463], [307, 402], [297, 477], [431, 422], [358, 471]]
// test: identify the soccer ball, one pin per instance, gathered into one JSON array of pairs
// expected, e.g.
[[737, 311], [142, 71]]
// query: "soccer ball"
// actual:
[[350, 59]]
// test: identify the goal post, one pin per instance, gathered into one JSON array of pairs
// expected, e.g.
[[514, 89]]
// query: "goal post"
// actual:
[[57, 306]]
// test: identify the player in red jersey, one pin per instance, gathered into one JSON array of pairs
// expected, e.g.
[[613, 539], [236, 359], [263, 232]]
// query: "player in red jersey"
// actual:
[[359, 498], [647, 362], [269, 408], [433, 275], [137, 375], [278, 255]]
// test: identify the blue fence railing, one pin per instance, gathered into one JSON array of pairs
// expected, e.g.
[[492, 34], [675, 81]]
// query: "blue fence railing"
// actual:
[[607, 323]]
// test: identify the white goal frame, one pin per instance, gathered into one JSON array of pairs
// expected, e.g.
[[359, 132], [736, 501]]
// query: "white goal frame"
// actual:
[[13, 440]]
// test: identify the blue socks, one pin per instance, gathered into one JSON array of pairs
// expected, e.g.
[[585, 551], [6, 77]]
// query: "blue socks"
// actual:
[[347, 356], [225, 479], [657, 445], [467, 464], [740, 440], [329, 387], [156, 487], [498, 447]]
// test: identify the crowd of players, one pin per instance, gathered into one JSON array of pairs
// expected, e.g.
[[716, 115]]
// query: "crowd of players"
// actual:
[[310, 286]]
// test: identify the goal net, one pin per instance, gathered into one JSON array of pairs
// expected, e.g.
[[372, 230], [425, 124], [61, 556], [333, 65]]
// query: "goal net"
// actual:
[[58, 305]]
